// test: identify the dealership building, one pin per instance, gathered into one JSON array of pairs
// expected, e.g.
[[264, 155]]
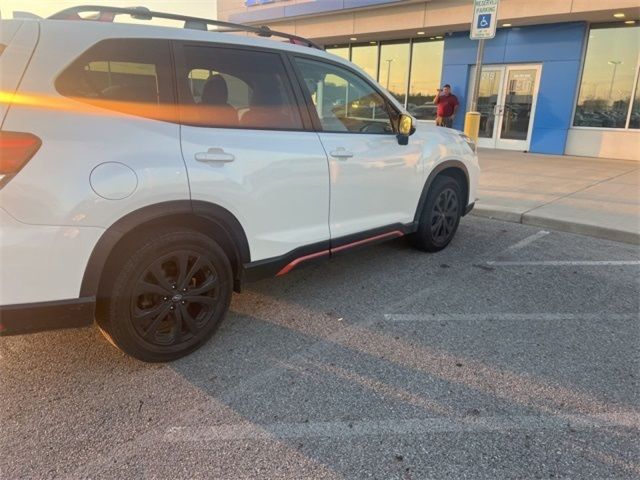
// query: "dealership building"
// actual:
[[560, 76]]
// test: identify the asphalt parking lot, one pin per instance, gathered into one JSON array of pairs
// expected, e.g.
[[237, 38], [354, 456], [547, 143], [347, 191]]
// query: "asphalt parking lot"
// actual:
[[512, 354]]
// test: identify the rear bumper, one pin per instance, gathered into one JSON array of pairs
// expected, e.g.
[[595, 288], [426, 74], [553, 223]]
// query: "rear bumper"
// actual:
[[38, 317], [42, 263]]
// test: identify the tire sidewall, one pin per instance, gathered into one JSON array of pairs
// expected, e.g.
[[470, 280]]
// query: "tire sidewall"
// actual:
[[120, 325], [425, 235]]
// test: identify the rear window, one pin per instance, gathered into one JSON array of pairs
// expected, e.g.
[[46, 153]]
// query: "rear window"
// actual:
[[129, 76], [235, 88]]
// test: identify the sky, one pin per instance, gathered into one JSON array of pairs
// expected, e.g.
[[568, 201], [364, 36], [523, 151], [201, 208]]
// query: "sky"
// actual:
[[45, 8]]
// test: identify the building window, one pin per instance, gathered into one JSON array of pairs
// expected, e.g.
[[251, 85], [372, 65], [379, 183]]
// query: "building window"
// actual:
[[389, 64], [339, 50], [366, 57], [426, 73], [394, 69], [610, 68]]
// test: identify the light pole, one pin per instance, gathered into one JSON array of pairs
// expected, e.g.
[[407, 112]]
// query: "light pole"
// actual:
[[615, 64], [388, 70]]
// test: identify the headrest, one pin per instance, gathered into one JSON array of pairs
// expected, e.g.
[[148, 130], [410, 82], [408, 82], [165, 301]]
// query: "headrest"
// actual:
[[215, 91]]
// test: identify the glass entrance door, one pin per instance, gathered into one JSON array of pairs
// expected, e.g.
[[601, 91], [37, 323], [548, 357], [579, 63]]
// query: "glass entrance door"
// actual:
[[506, 102], [488, 97]]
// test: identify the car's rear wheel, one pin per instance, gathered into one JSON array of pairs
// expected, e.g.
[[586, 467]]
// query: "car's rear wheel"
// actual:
[[440, 216], [168, 297]]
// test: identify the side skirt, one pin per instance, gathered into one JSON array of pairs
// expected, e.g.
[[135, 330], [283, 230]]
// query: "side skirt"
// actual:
[[284, 264], [38, 317]]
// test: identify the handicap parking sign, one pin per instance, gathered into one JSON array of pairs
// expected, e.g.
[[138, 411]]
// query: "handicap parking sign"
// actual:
[[484, 20]]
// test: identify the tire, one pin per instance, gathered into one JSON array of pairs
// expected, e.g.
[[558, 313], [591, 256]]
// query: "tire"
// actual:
[[168, 297], [440, 216]]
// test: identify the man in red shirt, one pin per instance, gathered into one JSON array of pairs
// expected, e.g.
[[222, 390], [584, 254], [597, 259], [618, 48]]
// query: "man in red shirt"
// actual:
[[447, 104]]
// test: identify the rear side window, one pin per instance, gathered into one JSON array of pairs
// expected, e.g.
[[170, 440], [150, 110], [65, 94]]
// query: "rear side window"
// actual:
[[128, 75], [235, 88]]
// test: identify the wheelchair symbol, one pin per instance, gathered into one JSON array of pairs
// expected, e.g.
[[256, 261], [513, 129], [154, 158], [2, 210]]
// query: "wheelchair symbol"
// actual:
[[484, 21]]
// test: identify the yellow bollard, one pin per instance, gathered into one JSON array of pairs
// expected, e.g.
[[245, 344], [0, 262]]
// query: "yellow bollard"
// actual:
[[472, 125]]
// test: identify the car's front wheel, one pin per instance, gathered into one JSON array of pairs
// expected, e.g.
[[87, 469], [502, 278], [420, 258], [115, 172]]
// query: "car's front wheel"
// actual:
[[168, 297], [440, 216]]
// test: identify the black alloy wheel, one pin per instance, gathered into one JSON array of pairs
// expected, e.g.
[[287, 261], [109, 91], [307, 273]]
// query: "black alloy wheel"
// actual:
[[440, 216], [444, 215], [169, 296], [173, 298]]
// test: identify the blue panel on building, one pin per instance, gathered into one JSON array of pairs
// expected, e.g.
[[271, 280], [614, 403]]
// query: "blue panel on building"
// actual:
[[558, 47], [493, 49], [545, 42], [309, 8], [367, 3], [251, 3], [556, 95], [462, 51], [262, 15], [548, 140], [298, 9], [457, 77]]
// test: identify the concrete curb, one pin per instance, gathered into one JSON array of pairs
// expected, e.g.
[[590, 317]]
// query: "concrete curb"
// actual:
[[497, 212]]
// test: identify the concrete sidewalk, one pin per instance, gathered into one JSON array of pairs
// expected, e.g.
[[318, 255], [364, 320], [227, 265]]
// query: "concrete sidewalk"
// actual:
[[591, 196]]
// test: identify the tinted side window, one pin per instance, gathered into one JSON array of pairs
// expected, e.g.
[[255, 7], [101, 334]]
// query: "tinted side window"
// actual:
[[128, 75], [343, 100], [233, 88]]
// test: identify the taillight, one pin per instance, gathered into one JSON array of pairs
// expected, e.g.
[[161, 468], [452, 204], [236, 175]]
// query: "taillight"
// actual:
[[16, 149]]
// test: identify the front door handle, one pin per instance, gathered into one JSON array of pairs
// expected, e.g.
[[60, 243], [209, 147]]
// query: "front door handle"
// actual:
[[214, 155], [341, 153]]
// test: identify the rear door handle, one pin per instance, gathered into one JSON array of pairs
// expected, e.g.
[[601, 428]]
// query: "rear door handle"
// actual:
[[341, 153], [214, 155]]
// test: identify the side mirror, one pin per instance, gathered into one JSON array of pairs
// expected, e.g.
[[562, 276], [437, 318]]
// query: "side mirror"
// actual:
[[405, 129]]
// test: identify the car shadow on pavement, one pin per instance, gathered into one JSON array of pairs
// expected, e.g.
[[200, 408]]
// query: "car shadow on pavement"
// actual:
[[307, 378]]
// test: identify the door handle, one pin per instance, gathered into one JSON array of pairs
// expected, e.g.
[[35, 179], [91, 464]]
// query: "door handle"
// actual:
[[214, 155], [341, 153]]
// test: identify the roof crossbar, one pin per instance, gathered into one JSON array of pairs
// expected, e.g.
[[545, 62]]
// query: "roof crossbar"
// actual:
[[108, 14]]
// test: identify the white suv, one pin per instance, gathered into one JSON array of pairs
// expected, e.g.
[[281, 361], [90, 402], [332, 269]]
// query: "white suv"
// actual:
[[148, 172]]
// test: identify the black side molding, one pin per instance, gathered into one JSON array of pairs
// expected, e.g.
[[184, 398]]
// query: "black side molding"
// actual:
[[283, 264], [271, 267], [42, 316], [469, 208]]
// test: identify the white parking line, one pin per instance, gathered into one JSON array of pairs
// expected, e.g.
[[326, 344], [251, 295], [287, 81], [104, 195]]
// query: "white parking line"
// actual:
[[556, 263], [527, 241], [530, 317], [418, 426]]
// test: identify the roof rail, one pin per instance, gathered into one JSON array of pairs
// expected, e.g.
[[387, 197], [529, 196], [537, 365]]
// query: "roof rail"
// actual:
[[108, 14]]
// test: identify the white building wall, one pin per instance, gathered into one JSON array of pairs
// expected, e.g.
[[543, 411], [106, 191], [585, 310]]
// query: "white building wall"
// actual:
[[593, 142]]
